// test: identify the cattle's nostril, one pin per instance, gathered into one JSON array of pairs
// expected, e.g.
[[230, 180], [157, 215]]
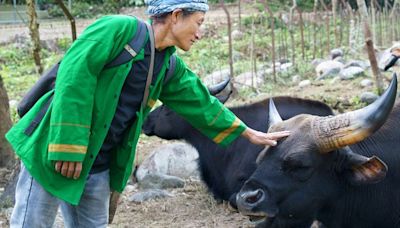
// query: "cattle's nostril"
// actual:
[[254, 196]]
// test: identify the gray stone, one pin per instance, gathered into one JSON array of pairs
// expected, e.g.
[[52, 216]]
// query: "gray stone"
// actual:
[[237, 35], [161, 181], [368, 97], [149, 195], [286, 66], [328, 69], [366, 83], [176, 159], [358, 63], [336, 53], [248, 79], [316, 62], [351, 72], [304, 83], [296, 78], [216, 77]]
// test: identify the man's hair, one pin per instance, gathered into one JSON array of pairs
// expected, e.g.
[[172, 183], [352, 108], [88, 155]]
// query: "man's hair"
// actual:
[[160, 18]]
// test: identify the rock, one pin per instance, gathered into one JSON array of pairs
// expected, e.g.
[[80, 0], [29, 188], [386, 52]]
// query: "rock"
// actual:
[[249, 79], [175, 159], [340, 59], [296, 78], [358, 63], [316, 62], [336, 53], [286, 66], [368, 97], [160, 181], [216, 77], [366, 83], [304, 83], [237, 35], [148, 195], [351, 72], [328, 69]]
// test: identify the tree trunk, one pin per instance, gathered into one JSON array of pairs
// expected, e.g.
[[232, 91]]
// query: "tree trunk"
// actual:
[[34, 32], [70, 18], [7, 157], [362, 8], [228, 18]]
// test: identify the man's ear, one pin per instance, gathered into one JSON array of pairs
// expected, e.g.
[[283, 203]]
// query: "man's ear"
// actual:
[[175, 15], [361, 170]]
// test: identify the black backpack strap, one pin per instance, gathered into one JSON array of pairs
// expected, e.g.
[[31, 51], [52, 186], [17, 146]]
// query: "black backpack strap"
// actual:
[[38, 118], [171, 68], [132, 48]]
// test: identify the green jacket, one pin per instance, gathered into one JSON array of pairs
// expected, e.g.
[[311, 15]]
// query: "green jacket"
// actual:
[[84, 104]]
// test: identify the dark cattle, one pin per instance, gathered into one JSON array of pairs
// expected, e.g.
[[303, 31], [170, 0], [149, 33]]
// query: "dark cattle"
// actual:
[[313, 174], [224, 170]]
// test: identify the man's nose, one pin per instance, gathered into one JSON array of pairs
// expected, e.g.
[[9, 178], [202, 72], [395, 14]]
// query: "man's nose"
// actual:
[[198, 35]]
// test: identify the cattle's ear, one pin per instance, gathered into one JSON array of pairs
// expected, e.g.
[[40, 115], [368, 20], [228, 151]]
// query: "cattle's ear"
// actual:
[[364, 170]]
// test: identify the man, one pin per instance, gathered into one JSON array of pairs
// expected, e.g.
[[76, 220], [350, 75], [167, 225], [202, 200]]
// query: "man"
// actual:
[[86, 142]]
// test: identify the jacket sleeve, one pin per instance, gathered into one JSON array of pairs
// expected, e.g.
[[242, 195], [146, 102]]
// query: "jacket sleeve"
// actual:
[[185, 94], [72, 106]]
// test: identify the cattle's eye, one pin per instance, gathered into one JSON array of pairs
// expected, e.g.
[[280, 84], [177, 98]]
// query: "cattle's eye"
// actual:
[[297, 168]]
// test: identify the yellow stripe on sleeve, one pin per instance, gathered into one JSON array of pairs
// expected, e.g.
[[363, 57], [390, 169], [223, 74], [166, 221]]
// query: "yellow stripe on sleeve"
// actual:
[[69, 148], [221, 136]]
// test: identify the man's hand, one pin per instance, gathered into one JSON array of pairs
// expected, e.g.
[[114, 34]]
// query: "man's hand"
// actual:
[[261, 138], [69, 169]]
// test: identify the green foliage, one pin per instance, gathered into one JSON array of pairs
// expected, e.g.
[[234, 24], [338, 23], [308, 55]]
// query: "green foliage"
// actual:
[[85, 9]]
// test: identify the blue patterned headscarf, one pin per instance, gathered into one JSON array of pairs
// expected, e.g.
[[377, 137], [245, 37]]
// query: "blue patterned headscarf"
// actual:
[[156, 7]]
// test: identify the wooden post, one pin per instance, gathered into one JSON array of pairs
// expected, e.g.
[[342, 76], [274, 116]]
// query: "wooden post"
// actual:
[[272, 18], [334, 11], [291, 31], [315, 28], [228, 18], [362, 8]]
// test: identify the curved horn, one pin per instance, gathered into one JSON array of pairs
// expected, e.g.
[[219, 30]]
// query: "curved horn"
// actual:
[[332, 133], [215, 89], [274, 116]]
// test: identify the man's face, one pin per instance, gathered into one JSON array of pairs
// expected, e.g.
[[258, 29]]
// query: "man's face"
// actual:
[[186, 30]]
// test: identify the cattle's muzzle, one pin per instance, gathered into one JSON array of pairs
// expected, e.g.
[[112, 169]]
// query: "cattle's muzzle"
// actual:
[[251, 198], [252, 204]]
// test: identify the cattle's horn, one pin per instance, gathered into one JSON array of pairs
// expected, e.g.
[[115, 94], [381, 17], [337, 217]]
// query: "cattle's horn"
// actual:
[[274, 116], [332, 133], [215, 89]]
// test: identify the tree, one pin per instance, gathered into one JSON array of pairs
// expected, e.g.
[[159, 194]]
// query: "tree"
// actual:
[[34, 32], [6, 155]]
